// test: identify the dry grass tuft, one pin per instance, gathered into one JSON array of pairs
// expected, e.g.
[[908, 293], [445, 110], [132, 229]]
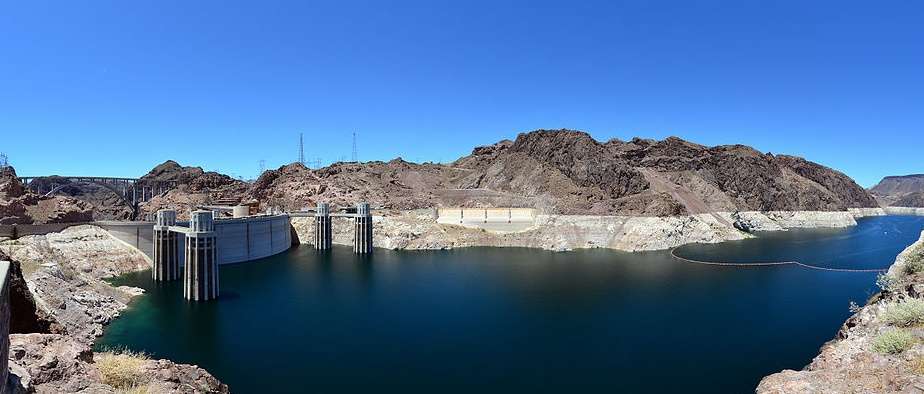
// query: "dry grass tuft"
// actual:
[[123, 370], [917, 365]]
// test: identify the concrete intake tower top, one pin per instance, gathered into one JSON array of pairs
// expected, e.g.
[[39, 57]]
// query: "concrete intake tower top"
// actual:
[[201, 222]]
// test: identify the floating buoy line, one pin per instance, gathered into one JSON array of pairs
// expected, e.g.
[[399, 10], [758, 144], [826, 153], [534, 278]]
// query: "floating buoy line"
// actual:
[[770, 263]]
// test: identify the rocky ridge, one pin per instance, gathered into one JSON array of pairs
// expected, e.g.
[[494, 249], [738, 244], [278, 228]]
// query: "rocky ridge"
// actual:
[[568, 172], [900, 191]]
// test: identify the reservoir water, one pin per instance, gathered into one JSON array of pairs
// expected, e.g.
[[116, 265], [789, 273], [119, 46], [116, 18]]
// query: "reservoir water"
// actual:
[[516, 320]]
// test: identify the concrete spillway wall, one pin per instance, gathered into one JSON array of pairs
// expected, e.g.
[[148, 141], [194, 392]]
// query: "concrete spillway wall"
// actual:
[[494, 219], [238, 240]]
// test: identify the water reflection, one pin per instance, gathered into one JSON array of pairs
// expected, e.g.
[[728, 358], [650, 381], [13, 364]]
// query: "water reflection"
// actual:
[[516, 319]]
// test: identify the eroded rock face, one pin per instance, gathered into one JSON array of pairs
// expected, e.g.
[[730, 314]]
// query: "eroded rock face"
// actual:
[[25, 316], [64, 273]]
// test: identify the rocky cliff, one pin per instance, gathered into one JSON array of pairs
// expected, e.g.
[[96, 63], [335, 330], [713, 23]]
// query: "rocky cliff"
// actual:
[[568, 172], [900, 191], [19, 206]]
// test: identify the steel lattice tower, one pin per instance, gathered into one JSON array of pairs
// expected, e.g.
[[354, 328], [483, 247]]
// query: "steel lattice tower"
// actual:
[[354, 157], [301, 149]]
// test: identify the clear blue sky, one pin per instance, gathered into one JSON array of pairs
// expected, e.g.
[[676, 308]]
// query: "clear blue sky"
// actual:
[[113, 88]]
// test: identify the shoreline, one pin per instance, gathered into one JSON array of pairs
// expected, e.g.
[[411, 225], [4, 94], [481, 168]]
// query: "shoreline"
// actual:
[[421, 230], [852, 361]]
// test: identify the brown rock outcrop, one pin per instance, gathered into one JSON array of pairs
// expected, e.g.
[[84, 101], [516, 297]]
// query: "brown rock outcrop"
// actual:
[[900, 191]]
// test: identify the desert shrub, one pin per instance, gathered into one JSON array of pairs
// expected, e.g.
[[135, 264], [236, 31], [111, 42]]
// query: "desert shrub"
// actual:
[[905, 313], [914, 263], [886, 282], [893, 341], [122, 369]]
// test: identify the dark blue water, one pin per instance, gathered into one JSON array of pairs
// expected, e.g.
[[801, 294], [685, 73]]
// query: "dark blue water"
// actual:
[[515, 320]]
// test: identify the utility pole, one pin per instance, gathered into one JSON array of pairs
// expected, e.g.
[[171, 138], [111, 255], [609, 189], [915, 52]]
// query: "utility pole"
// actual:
[[354, 157], [301, 149]]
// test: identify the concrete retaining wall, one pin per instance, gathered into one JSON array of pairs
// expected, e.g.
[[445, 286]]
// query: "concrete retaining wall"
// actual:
[[139, 235]]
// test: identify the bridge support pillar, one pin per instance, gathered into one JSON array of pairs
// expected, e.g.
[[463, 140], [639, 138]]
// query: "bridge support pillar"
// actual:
[[166, 255], [322, 230], [200, 282], [362, 229]]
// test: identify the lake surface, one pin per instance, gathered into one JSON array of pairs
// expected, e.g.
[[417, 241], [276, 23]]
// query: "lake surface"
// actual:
[[514, 320]]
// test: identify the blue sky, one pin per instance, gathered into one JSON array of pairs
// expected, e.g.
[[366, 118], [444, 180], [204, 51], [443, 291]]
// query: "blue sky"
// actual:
[[113, 88]]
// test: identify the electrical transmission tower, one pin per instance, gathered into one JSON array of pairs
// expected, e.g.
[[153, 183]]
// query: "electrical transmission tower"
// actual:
[[4, 161], [301, 149], [262, 168], [354, 158]]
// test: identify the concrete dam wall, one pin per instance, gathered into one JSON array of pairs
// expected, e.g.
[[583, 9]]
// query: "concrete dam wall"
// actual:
[[238, 240]]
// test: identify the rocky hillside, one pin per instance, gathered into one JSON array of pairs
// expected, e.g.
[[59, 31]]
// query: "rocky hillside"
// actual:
[[19, 206], [194, 186], [900, 191], [915, 200], [565, 171]]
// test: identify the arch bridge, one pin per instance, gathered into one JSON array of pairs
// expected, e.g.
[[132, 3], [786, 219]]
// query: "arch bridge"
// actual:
[[131, 191]]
